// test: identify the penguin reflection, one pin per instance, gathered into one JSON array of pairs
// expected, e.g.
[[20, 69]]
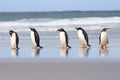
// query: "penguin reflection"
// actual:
[[84, 52], [64, 52], [103, 52], [35, 52], [14, 52]]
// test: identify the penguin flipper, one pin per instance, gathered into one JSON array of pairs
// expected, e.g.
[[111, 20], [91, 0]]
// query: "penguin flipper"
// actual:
[[107, 41], [86, 37], [17, 40], [99, 39]]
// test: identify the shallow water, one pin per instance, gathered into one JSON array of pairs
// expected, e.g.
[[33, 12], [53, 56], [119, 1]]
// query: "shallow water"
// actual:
[[52, 49]]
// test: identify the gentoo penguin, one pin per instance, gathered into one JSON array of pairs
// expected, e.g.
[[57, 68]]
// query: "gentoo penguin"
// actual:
[[14, 39], [63, 38], [35, 38], [83, 37], [103, 39]]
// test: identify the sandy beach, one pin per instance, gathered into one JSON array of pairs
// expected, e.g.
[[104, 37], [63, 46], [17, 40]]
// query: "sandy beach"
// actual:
[[54, 63], [59, 69]]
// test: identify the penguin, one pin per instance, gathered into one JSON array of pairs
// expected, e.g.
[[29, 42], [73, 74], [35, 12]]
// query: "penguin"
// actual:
[[63, 38], [83, 37], [103, 39], [14, 39], [35, 38]]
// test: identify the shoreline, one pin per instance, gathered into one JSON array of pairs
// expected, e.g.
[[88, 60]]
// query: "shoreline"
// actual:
[[51, 49]]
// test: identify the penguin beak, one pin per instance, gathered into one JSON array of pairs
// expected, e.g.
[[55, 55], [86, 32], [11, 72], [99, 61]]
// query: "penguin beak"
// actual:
[[58, 30], [30, 29], [76, 28], [106, 28]]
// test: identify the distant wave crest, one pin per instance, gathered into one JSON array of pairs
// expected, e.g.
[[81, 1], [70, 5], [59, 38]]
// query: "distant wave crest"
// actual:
[[51, 24]]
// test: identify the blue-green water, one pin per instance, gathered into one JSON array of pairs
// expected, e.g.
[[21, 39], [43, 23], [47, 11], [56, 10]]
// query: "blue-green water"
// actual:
[[13, 16], [52, 49], [50, 21]]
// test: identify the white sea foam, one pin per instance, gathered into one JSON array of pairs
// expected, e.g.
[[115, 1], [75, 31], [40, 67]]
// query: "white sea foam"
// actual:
[[51, 24]]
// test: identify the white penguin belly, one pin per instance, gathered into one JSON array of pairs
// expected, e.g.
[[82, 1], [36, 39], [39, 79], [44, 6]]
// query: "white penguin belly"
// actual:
[[62, 38], [13, 40], [33, 38], [103, 38], [81, 37]]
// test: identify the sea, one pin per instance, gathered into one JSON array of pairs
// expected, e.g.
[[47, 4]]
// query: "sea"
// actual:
[[46, 23]]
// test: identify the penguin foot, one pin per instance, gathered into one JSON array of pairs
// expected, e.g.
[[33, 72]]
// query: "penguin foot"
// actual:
[[15, 48], [37, 47], [106, 46], [63, 47], [103, 46], [84, 46]]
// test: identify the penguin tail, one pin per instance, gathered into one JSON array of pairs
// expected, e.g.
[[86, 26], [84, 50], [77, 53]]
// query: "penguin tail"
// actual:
[[40, 46], [17, 47], [89, 45], [69, 46]]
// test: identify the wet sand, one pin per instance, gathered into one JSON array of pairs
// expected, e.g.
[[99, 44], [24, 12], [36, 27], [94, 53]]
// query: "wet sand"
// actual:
[[59, 69], [54, 63]]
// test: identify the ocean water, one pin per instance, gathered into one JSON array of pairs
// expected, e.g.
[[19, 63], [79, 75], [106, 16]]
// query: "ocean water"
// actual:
[[48, 22]]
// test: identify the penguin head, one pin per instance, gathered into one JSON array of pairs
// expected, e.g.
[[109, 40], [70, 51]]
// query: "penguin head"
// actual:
[[10, 32], [61, 30], [32, 29], [105, 29], [79, 28]]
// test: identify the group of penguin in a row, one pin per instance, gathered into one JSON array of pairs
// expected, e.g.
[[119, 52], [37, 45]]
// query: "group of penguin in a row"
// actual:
[[83, 36]]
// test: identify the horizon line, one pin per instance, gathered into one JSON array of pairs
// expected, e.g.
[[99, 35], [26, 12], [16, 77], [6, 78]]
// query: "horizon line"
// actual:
[[64, 11]]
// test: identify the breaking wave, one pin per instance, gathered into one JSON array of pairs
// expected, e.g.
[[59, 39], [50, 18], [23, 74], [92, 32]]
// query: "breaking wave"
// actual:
[[51, 24]]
